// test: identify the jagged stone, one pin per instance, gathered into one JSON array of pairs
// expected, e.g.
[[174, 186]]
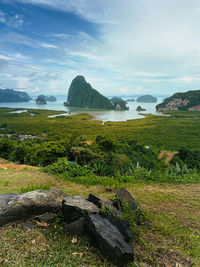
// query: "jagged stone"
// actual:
[[29, 204], [123, 198], [107, 204], [122, 226], [76, 228], [109, 238], [77, 206]]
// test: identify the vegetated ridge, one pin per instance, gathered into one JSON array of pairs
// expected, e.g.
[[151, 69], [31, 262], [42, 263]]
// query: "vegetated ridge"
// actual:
[[181, 101], [81, 94], [10, 95]]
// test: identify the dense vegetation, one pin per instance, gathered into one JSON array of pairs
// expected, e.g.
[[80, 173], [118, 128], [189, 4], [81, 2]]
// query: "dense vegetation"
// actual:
[[81, 156], [127, 151]]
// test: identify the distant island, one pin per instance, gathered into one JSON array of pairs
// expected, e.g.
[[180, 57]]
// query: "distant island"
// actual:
[[119, 103], [81, 94], [181, 101], [147, 99], [51, 98], [139, 108], [130, 100], [41, 100], [12, 96]]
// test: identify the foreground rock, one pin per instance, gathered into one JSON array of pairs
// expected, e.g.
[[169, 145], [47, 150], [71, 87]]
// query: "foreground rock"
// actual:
[[6, 197], [37, 202], [75, 207], [108, 205], [109, 238]]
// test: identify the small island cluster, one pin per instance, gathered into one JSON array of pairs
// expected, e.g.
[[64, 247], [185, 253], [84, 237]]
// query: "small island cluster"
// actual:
[[82, 95]]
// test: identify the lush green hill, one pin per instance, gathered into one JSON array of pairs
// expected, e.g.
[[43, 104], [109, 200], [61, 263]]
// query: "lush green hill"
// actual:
[[81, 94], [181, 101]]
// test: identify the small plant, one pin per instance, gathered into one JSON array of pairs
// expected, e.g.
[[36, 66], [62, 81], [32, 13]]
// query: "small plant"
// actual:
[[34, 187]]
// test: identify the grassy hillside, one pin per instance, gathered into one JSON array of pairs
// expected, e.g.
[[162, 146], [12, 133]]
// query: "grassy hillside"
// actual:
[[169, 235]]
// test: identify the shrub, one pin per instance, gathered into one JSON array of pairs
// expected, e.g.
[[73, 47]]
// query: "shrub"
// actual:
[[68, 169]]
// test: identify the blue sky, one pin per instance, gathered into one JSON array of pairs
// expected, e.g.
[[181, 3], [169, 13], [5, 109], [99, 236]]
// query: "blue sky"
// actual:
[[121, 47]]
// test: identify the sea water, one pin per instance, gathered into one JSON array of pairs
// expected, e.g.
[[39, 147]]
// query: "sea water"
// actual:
[[103, 115]]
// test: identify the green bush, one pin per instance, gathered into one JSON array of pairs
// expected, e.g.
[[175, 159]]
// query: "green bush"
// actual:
[[68, 169]]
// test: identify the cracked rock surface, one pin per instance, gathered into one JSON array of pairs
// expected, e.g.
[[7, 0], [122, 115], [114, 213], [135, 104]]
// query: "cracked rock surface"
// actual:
[[32, 203]]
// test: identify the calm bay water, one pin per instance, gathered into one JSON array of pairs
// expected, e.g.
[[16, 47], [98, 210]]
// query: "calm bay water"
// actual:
[[103, 115]]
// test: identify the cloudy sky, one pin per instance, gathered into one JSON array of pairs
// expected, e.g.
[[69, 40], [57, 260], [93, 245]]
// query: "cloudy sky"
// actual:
[[120, 46]]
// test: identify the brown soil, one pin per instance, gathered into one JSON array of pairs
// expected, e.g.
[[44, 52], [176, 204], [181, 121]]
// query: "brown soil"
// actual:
[[167, 155], [6, 165]]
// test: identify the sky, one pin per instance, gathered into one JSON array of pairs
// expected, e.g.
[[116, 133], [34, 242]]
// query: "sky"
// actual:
[[121, 47]]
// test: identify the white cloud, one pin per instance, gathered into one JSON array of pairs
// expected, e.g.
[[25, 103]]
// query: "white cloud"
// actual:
[[15, 21], [48, 46]]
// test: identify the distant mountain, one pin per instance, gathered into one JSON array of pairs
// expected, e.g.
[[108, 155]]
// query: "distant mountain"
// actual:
[[10, 95], [146, 99], [81, 94], [130, 100], [181, 101]]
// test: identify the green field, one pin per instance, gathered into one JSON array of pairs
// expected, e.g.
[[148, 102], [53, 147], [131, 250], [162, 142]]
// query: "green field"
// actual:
[[105, 157], [170, 234], [160, 132]]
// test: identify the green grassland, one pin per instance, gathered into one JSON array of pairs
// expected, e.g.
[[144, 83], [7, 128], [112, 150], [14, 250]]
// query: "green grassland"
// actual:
[[160, 132], [105, 157], [170, 233]]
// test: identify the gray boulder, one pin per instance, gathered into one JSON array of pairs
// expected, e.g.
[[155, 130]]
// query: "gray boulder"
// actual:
[[6, 197], [109, 238], [32, 203], [77, 206]]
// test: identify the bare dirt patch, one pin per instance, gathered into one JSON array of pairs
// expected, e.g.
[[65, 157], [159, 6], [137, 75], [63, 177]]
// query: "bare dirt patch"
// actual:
[[9, 165], [167, 155]]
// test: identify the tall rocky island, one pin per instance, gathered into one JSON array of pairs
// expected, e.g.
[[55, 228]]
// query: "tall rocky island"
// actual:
[[81, 94]]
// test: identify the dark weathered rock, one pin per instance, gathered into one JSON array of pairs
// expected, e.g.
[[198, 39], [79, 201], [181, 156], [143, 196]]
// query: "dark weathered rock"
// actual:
[[125, 198], [76, 228], [108, 205], [122, 226], [77, 206], [108, 237], [6, 197], [29, 204]]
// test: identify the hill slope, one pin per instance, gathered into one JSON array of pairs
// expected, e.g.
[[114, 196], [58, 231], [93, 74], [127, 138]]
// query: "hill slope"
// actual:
[[181, 101]]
